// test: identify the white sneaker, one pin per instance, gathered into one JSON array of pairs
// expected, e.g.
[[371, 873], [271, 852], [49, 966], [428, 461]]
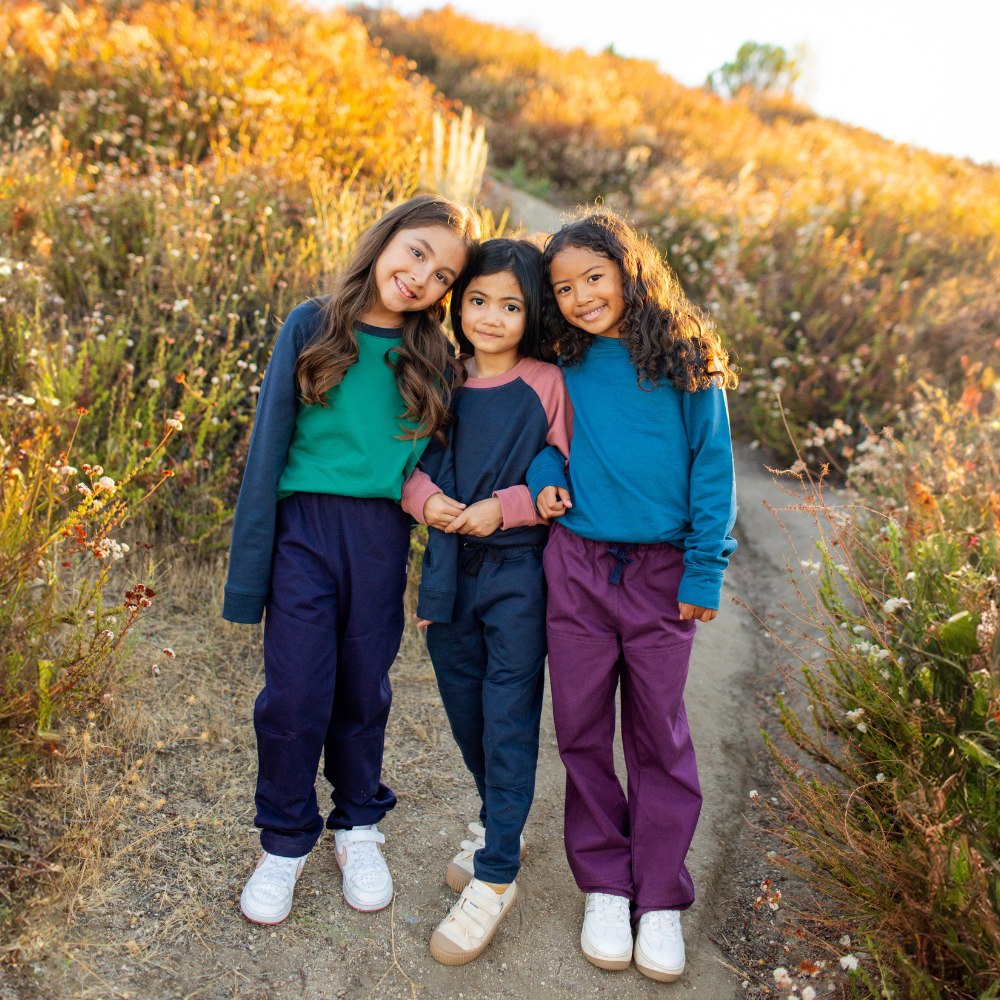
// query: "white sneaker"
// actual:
[[471, 923], [367, 882], [659, 946], [267, 896], [461, 869], [606, 937]]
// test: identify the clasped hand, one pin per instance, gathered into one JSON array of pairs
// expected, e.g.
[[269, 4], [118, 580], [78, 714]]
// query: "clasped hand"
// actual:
[[479, 519]]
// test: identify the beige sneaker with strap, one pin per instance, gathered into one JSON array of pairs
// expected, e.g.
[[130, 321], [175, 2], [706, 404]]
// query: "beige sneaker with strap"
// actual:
[[461, 869], [471, 923]]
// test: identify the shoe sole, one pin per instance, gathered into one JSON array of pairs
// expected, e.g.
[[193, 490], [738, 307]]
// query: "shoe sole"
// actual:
[[660, 975], [363, 907], [610, 964], [458, 878], [451, 959]]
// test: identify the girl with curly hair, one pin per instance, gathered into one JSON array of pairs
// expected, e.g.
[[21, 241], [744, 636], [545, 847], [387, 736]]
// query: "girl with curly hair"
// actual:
[[645, 505], [356, 386]]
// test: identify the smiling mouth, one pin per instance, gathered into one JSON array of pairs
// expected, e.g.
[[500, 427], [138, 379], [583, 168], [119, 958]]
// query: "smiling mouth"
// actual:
[[589, 317], [403, 290]]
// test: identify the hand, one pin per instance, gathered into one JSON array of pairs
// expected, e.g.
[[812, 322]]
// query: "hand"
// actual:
[[553, 501], [440, 510], [689, 611], [422, 622], [479, 519]]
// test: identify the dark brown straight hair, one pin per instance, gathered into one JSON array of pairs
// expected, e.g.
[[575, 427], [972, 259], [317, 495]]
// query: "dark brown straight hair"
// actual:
[[668, 338], [424, 368]]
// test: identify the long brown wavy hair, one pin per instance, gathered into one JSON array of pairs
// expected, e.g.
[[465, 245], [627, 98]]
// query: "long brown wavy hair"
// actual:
[[667, 337], [424, 368]]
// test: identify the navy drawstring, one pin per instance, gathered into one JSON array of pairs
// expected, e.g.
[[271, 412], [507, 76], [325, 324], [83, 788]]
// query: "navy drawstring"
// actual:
[[619, 552], [472, 557]]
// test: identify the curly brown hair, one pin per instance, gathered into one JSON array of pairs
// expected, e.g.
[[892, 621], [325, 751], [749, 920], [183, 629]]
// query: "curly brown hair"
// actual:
[[667, 337], [424, 367]]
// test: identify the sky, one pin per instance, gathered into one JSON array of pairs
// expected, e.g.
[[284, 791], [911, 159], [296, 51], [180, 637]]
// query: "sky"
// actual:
[[912, 70]]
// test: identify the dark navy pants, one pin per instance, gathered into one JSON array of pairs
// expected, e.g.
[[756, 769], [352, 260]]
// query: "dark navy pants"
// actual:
[[489, 664], [334, 622]]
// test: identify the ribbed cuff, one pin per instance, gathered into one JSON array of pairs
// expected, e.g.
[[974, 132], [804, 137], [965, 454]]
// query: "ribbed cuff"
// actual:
[[701, 591], [518, 510], [416, 490], [435, 605], [244, 609]]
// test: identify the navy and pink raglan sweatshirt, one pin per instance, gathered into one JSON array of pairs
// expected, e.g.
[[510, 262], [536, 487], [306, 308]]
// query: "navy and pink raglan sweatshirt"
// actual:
[[500, 425]]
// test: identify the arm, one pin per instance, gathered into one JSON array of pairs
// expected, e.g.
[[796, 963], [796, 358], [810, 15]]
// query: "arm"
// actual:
[[249, 581], [712, 498]]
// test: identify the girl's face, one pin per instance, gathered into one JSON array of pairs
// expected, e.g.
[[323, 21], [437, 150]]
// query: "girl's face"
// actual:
[[588, 289], [415, 270], [493, 313]]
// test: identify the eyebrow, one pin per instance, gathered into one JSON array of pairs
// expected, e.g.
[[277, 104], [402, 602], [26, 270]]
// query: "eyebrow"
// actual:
[[589, 269], [486, 295], [420, 239]]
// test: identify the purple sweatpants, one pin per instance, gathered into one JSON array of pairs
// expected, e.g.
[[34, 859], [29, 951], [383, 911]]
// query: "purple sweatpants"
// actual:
[[612, 615]]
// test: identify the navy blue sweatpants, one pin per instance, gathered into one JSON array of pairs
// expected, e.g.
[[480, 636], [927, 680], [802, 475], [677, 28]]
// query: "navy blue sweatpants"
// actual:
[[334, 622], [489, 663]]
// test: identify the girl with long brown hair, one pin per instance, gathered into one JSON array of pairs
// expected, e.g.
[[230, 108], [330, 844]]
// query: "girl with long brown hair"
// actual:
[[356, 386]]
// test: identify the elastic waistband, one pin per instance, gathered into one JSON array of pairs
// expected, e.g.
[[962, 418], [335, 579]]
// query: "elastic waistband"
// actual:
[[472, 555], [602, 544]]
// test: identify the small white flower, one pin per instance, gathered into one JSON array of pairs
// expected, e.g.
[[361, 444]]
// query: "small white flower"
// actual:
[[107, 483], [894, 603], [84, 489], [174, 425], [111, 618], [911, 576], [781, 978], [880, 777], [754, 794], [855, 714], [153, 383], [137, 424], [107, 634], [67, 470], [849, 963], [780, 363], [169, 652], [808, 993], [859, 629], [881, 654], [885, 674], [180, 305], [862, 728], [795, 316]]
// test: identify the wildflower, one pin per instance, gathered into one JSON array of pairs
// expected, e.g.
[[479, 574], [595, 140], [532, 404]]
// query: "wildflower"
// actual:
[[861, 727], [107, 634], [67, 470], [880, 777], [180, 305], [881, 654], [106, 483], [849, 963], [781, 978], [844, 625], [885, 674], [754, 794], [855, 714], [780, 363], [153, 383], [795, 316], [894, 603], [169, 652], [97, 470], [859, 629], [84, 489], [798, 468], [174, 425], [808, 993], [910, 576]]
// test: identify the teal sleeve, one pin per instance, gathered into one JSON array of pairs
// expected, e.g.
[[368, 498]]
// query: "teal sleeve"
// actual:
[[712, 498], [547, 469]]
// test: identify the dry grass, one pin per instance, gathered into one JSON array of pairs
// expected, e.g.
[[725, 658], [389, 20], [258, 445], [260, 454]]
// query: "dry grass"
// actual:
[[157, 796]]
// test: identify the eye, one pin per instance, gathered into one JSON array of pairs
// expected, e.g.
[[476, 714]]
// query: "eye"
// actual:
[[512, 307], [565, 288], [417, 253], [595, 277], [476, 300], [442, 278]]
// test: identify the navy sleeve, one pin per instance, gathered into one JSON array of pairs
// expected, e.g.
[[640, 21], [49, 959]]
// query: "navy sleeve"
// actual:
[[249, 581], [439, 571]]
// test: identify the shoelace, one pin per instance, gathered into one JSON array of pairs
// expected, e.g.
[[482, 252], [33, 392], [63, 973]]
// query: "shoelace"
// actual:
[[665, 923], [608, 910], [362, 852], [274, 873]]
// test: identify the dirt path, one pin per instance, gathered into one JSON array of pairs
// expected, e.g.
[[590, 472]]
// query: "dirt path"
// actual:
[[157, 915]]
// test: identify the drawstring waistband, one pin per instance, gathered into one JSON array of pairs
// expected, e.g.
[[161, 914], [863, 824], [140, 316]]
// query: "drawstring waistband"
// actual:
[[471, 555], [619, 552]]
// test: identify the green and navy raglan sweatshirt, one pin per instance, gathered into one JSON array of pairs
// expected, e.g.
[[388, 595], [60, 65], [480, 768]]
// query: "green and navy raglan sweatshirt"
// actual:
[[647, 466], [349, 447]]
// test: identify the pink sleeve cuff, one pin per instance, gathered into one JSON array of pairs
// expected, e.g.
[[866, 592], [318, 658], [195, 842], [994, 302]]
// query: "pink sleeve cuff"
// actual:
[[518, 510], [417, 488]]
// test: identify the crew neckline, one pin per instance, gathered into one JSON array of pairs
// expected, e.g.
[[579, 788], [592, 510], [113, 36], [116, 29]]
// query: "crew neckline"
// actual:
[[497, 380], [388, 332]]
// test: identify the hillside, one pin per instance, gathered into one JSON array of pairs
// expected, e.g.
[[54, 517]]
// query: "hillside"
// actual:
[[839, 265]]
